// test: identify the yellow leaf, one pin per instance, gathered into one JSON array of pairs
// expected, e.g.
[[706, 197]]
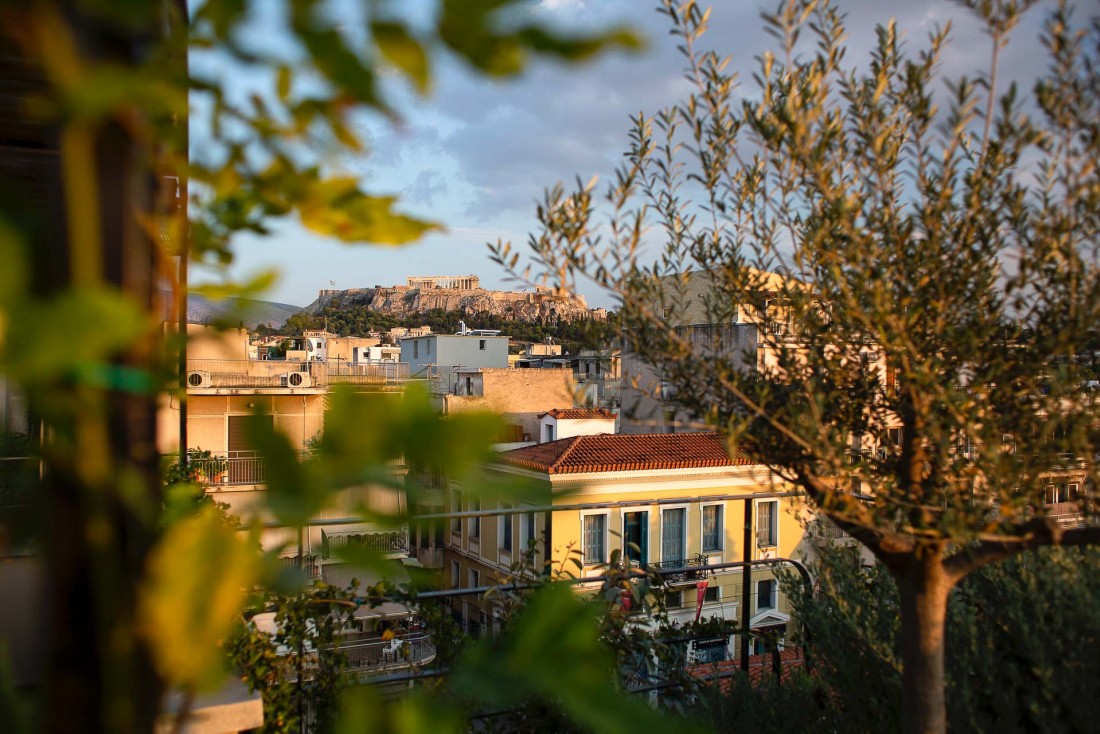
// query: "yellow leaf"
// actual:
[[196, 583]]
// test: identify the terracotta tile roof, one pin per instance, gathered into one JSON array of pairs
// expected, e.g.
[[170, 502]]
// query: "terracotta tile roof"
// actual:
[[761, 668], [624, 452], [578, 413]]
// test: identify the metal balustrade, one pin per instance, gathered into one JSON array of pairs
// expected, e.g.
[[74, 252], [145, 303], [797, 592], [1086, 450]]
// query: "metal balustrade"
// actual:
[[382, 656], [251, 373], [229, 468]]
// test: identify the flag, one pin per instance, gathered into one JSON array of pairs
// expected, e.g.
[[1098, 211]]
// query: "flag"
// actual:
[[701, 593]]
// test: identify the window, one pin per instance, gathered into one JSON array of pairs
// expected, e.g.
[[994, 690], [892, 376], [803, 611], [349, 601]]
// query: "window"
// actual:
[[481, 344], [1059, 493], [475, 579], [549, 431], [456, 574], [765, 594], [475, 522], [712, 528], [673, 600], [469, 386], [595, 538], [711, 595], [456, 506], [636, 536], [416, 349], [767, 524], [527, 530], [672, 535], [894, 436], [504, 529]]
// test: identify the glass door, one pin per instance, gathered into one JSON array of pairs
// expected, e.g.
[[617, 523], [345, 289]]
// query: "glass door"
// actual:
[[636, 536]]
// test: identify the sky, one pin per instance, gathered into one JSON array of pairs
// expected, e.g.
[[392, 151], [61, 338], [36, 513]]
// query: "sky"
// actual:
[[478, 154]]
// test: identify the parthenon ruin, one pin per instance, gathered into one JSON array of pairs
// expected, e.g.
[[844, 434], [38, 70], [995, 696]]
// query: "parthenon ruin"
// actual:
[[456, 282]]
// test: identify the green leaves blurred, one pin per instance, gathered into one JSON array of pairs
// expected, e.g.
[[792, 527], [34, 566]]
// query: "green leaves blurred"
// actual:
[[553, 652], [198, 577]]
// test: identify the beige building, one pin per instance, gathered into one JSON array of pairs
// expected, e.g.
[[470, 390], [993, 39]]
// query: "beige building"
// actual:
[[520, 396], [226, 391]]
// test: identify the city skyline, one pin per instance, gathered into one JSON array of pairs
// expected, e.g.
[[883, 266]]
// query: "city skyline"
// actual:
[[477, 154]]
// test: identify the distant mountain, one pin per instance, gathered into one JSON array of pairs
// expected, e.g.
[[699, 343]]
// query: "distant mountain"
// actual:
[[202, 310]]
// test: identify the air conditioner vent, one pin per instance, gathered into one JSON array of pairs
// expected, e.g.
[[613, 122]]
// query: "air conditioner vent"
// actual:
[[298, 379], [198, 378]]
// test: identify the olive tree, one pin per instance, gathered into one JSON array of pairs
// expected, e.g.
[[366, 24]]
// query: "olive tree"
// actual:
[[915, 257]]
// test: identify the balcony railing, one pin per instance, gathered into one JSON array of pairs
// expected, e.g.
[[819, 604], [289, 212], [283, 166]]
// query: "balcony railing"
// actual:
[[824, 529], [381, 373], [227, 468], [682, 577], [251, 373], [378, 656]]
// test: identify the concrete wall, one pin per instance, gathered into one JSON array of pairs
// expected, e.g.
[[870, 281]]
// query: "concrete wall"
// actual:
[[340, 347], [568, 428], [644, 409], [518, 395], [299, 416], [206, 342]]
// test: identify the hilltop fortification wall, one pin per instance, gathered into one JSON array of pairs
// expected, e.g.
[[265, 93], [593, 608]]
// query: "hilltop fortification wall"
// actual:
[[403, 300]]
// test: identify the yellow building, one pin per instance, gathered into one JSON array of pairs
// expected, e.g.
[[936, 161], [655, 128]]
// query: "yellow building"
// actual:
[[662, 500]]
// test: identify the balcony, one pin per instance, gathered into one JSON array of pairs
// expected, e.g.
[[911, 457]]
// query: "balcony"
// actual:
[[230, 468], [370, 656], [1066, 514], [682, 577], [824, 531]]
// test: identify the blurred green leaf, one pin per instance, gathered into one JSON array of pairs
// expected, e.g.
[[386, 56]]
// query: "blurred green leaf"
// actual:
[[339, 208], [293, 493], [76, 328], [553, 651], [195, 586], [404, 52]]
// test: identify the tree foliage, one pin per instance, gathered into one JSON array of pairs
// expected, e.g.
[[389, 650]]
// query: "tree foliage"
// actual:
[[353, 320], [936, 244], [1020, 633]]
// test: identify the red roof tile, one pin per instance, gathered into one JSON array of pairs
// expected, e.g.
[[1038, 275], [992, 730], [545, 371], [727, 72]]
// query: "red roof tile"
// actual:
[[579, 413], [624, 452], [761, 667]]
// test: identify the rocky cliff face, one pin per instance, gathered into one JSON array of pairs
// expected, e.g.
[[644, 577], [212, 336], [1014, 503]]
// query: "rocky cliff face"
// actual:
[[510, 305]]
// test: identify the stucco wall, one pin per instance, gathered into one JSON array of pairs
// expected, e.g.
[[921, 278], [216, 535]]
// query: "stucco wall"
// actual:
[[299, 416], [206, 342], [517, 395]]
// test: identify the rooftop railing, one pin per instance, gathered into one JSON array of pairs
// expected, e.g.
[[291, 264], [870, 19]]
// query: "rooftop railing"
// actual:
[[264, 373]]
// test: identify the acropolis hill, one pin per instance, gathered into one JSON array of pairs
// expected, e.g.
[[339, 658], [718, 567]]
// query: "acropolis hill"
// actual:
[[460, 293]]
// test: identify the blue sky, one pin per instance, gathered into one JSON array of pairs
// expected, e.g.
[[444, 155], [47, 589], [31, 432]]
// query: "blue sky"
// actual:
[[478, 153]]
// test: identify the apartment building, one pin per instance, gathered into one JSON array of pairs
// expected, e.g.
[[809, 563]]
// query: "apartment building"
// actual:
[[226, 391], [663, 501]]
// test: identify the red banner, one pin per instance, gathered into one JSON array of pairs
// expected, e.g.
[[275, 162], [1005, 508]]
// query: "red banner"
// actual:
[[700, 593]]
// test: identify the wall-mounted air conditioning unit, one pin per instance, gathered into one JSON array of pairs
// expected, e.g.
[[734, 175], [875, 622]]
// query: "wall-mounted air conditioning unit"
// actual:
[[297, 379], [199, 378]]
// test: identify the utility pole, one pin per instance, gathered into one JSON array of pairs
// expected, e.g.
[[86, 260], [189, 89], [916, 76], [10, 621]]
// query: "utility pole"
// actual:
[[746, 584]]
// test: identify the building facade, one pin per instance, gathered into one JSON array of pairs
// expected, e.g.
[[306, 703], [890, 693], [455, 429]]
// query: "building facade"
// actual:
[[663, 501]]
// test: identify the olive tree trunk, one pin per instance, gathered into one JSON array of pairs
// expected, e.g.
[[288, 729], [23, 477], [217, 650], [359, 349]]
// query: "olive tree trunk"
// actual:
[[924, 589]]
